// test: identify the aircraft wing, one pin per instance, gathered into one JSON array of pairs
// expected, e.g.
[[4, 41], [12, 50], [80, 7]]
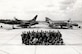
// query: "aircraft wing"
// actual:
[[27, 24]]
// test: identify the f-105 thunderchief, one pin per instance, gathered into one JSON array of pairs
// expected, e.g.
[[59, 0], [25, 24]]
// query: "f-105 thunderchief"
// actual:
[[61, 24], [20, 23]]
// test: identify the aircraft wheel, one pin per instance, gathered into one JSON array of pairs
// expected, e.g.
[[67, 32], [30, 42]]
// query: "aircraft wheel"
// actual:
[[1, 26], [13, 27], [71, 27], [61, 27], [79, 27]]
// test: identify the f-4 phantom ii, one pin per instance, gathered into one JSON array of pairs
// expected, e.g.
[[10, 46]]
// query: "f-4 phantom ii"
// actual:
[[21, 23], [61, 24]]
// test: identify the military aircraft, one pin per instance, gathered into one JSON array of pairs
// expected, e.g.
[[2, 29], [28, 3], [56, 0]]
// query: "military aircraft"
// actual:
[[61, 24], [20, 23]]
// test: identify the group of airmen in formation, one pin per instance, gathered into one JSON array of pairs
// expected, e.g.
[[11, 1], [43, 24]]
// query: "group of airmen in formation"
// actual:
[[42, 38]]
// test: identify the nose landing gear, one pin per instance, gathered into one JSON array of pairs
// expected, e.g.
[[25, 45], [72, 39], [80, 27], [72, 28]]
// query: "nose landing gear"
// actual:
[[79, 27], [1, 26]]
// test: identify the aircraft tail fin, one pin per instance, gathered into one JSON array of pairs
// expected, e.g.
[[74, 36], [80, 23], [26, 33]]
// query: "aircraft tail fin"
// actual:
[[35, 18], [48, 20], [16, 19]]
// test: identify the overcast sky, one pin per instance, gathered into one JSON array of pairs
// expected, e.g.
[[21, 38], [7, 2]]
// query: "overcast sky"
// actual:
[[54, 9]]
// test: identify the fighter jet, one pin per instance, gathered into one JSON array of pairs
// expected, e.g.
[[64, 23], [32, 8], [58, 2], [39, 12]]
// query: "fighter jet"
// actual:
[[61, 24], [21, 23]]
